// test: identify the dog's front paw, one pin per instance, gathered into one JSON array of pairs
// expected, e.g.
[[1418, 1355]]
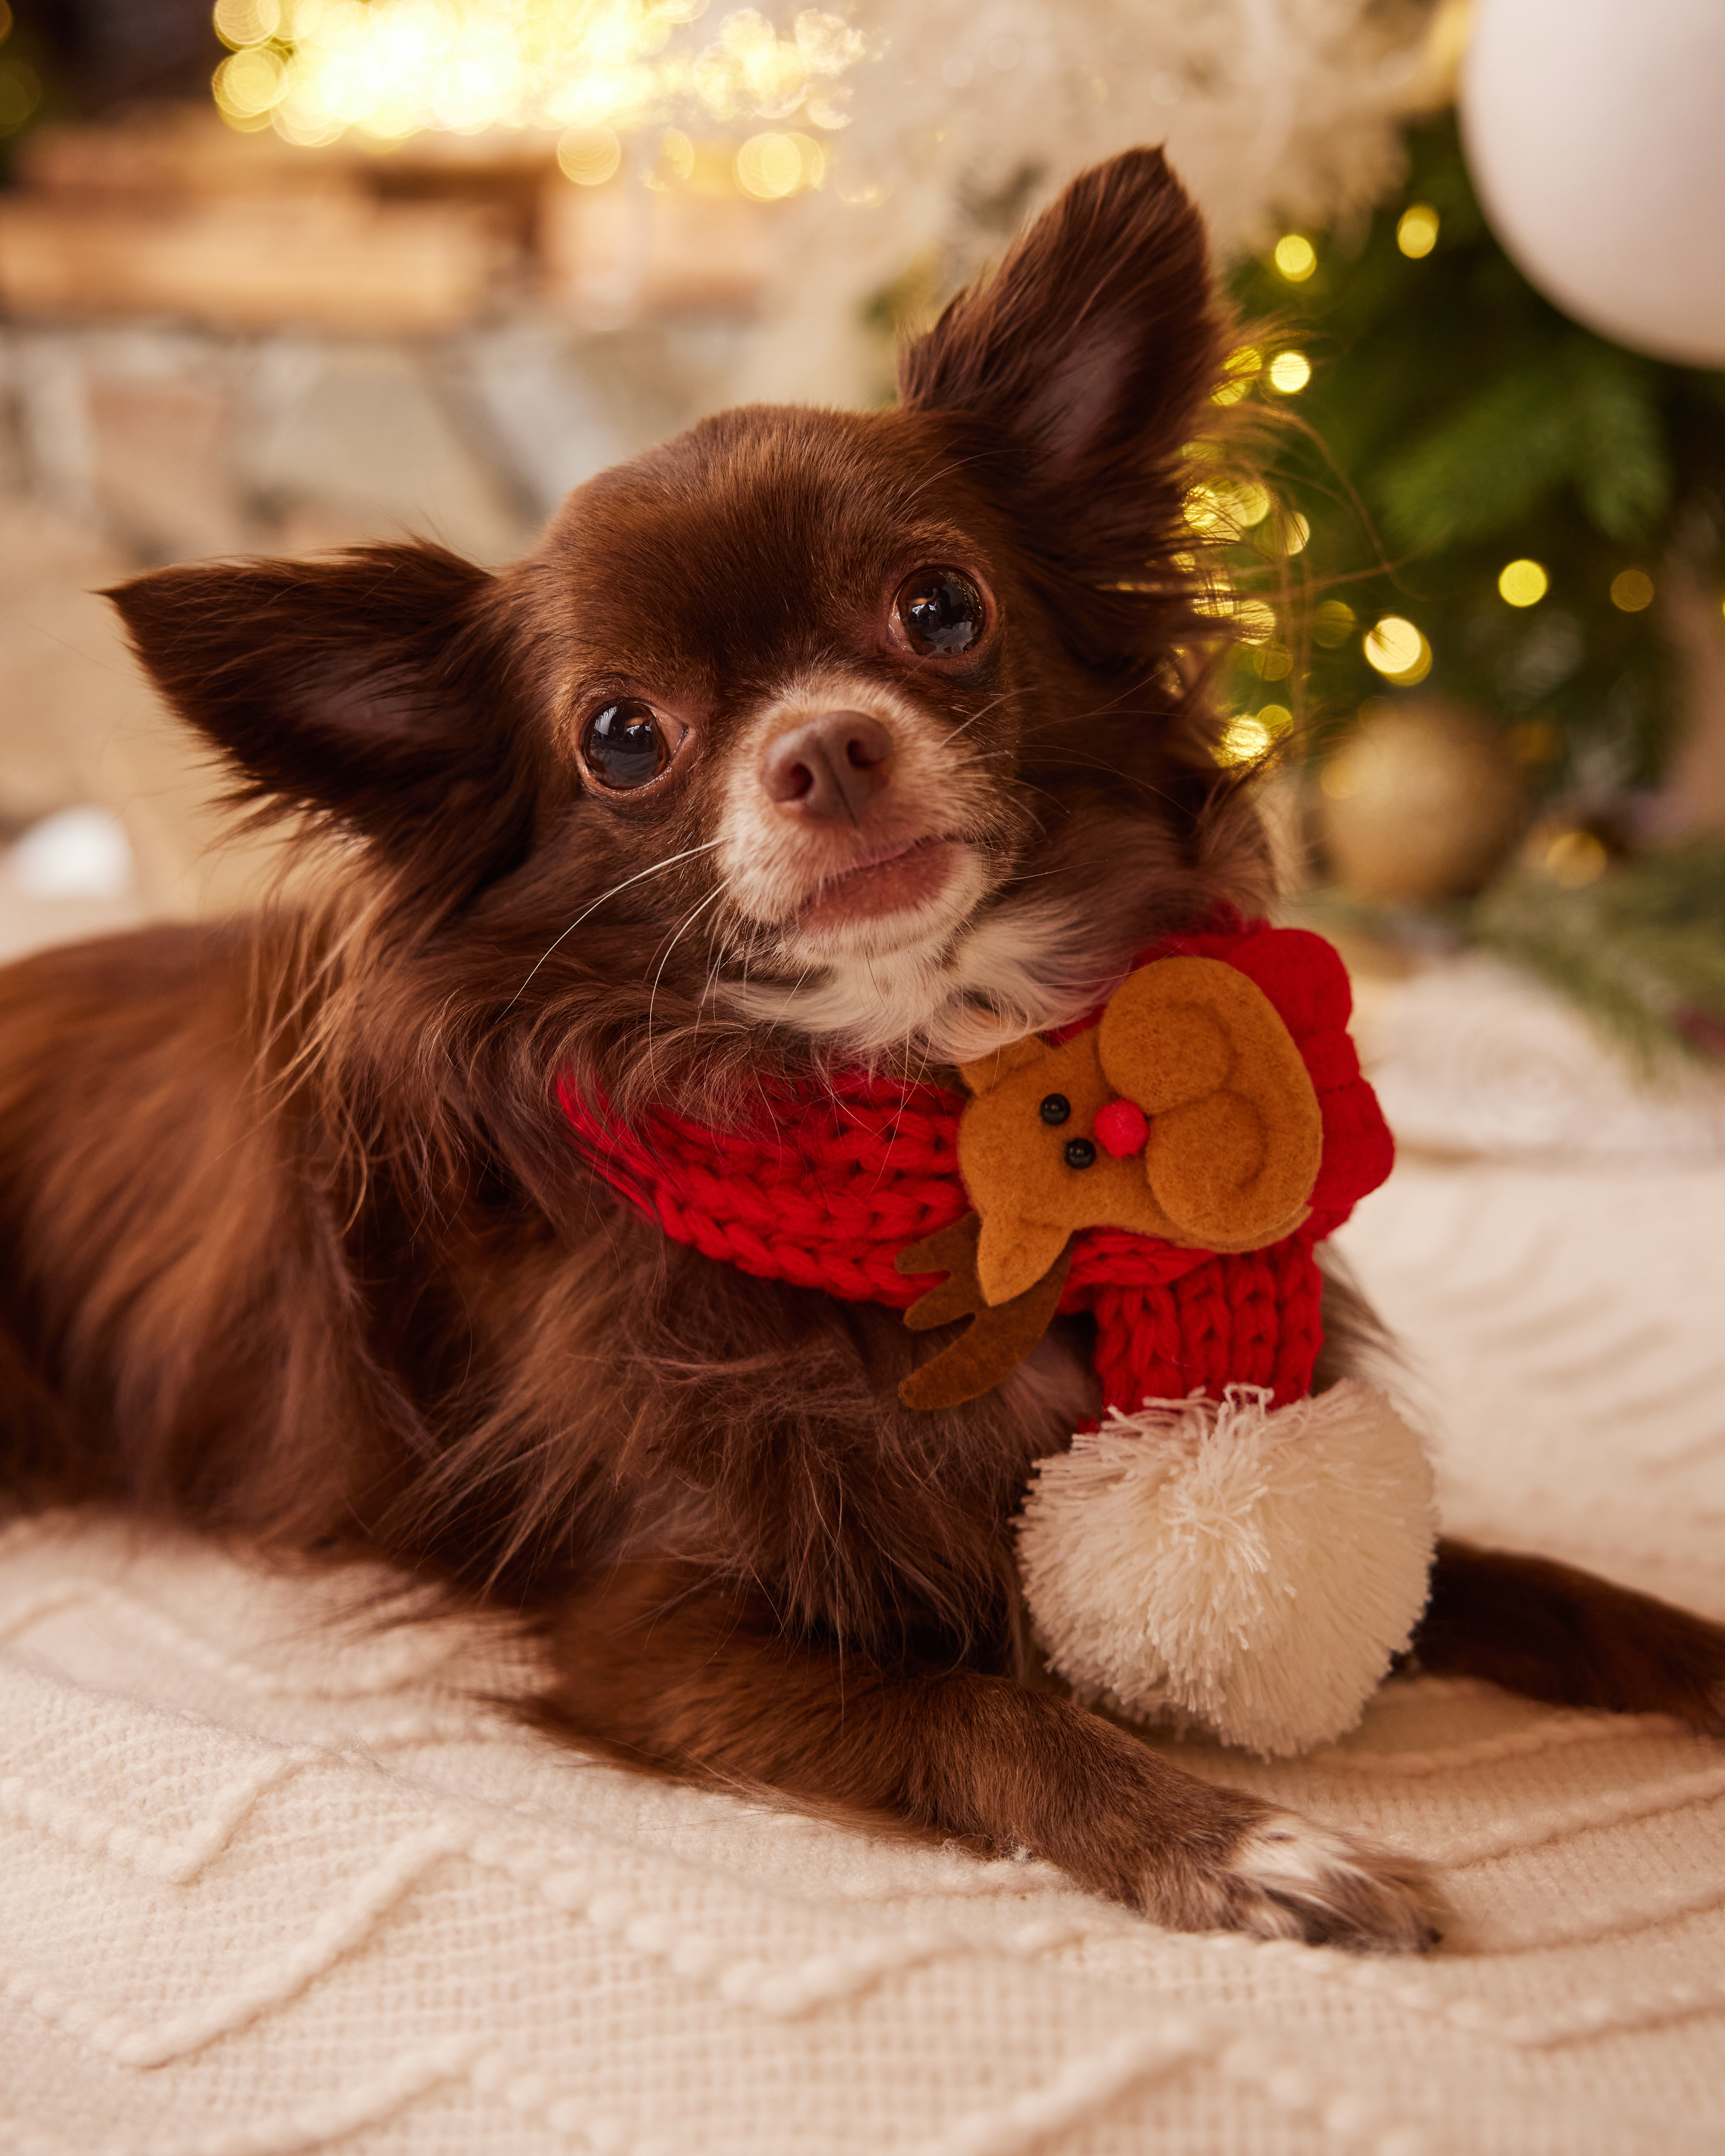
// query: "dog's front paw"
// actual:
[[1287, 1878]]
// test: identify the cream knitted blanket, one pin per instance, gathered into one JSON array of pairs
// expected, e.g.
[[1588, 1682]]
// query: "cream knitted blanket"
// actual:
[[269, 1883]]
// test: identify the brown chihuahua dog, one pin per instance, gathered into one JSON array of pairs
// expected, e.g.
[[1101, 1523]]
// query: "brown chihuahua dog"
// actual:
[[808, 739]]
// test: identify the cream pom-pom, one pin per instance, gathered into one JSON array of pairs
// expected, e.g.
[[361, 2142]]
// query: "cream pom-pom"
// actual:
[[1251, 1569]]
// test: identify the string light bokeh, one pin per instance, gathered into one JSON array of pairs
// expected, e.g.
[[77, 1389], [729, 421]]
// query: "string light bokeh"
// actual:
[[1523, 583], [585, 71], [20, 85], [1398, 650], [1416, 231]]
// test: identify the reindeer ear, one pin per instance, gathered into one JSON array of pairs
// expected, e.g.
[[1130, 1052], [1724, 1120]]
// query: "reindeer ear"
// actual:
[[1091, 350], [986, 1073], [371, 688]]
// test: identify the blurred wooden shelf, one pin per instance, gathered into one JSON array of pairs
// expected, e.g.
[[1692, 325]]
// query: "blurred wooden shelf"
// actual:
[[171, 214], [328, 263]]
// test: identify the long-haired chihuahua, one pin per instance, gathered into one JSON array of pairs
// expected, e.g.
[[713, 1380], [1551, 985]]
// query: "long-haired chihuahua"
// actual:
[[807, 742]]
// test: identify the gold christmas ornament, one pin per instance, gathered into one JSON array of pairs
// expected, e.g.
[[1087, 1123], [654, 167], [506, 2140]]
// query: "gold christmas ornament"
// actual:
[[1423, 801]]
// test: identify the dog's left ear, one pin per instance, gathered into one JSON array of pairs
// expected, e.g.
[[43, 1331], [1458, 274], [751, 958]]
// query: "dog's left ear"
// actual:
[[1091, 352]]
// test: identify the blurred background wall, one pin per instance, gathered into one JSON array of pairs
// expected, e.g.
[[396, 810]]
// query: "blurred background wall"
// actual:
[[289, 274]]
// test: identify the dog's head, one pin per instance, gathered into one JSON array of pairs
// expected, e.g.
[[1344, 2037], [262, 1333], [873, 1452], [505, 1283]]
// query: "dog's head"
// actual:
[[806, 731]]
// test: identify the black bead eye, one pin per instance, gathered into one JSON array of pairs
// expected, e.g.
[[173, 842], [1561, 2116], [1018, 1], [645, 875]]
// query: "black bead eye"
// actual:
[[941, 612], [625, 745], [1055, 1108], [1080, 1153]]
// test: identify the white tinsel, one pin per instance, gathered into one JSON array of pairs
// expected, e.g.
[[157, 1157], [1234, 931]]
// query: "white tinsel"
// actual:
[[1249, 1569], [965, 113]]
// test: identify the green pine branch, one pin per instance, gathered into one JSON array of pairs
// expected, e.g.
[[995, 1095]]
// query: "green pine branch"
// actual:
[[1642, 951], [1474, 424]]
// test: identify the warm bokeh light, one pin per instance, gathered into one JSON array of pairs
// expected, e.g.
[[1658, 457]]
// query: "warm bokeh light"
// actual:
[[589, 155], [1292, 531], [1523, 583], [313, 68], [1416, 230], [1252, 620], [1243, 741], [1250, 504], [1574, 858], [249, 83], [1295, 257], [1400, 654], [1632, 589], [1240, 369], [1289, 373], [1224, 509], [770, 166], [1331, 624], [20, 93], [1252, 734], [247, 22]]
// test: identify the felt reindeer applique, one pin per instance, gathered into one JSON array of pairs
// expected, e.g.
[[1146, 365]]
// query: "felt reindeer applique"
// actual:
[[1188, 1114]]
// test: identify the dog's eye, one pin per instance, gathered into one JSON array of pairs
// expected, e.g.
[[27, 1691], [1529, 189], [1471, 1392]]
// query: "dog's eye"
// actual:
[[941, 611], [627, 744]]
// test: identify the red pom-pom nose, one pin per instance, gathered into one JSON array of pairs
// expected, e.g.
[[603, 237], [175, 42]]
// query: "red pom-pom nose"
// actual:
[[1120, 1127]]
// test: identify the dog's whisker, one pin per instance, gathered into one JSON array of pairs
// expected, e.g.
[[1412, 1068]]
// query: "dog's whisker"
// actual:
[[993, 704], [689, 919], [658, 868]]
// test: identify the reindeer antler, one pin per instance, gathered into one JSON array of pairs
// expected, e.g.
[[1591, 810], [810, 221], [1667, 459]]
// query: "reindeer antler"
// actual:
[[1000, 1336]]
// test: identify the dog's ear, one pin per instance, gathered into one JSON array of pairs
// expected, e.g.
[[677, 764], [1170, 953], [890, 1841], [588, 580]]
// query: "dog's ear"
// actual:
[[1091, 350], [369, 688]]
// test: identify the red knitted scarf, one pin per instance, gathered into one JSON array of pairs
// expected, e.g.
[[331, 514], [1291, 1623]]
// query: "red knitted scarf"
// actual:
[[834, 1178]]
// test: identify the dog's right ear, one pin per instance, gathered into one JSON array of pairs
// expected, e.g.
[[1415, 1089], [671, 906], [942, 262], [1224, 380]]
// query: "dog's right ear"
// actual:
[[1090, 354], [369, 688]]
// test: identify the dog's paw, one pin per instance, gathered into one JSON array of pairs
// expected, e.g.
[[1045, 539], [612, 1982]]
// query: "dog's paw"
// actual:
[[1288, 1878]]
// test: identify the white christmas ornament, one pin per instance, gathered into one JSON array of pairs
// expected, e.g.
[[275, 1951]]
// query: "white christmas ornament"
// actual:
[[1595, 132], [1250, 1569]]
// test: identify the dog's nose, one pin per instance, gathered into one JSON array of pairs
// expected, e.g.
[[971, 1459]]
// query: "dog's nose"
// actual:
[[828, 768]]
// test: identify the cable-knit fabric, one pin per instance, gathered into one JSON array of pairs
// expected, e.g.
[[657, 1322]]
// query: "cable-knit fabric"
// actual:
[[830, 1180]]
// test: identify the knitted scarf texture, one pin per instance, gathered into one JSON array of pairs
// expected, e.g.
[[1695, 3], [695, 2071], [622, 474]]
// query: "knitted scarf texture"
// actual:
[[832, 1178]]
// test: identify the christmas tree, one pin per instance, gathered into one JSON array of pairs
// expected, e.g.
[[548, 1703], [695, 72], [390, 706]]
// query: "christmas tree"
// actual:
[[1469, 517], [1477, 466]]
